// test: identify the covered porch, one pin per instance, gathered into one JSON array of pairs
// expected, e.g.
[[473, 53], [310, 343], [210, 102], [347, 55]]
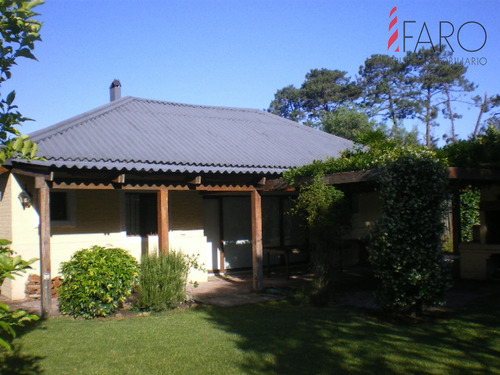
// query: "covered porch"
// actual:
[[145, 213]]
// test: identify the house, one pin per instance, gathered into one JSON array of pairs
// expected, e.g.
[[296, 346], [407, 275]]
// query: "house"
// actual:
[[148, 175], [478, 259]]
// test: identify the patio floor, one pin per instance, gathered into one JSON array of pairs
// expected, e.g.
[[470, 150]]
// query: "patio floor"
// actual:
[[237, 289], [355, 288], [220, 290]]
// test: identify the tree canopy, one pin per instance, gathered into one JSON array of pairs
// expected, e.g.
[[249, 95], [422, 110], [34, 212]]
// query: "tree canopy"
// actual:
[[387, 92], [19, 31], [323, 91]]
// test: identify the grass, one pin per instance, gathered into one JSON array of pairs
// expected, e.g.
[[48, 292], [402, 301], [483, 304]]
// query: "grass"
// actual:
[[272, 338]]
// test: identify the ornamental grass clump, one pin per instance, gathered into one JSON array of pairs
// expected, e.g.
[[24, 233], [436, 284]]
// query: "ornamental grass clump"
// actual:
[[162, 281], [96, 281]]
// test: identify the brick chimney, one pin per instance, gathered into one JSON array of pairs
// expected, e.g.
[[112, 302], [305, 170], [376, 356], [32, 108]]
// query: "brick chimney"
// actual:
[[115, 90]]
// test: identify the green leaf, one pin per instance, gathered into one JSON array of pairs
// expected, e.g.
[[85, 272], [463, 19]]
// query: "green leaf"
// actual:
[[4, 307], [4, 242], [25, 52], [34, 3], [18, 144], [10, 98], [5, 344]]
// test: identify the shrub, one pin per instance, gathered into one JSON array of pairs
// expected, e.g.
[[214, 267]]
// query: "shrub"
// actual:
[[11, 266], [162, 281], [96, 281], [406, 246]]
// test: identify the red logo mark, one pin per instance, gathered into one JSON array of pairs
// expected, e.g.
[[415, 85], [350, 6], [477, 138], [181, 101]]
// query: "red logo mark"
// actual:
[[394, 35]]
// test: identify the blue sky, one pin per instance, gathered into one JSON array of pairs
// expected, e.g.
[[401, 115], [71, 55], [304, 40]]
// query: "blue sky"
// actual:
[[227, 52]]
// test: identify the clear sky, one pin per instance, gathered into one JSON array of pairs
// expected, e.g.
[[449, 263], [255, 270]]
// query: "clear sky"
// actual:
[[229, 52]]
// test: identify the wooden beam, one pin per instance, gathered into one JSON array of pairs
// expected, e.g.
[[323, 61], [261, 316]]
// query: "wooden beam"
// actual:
[[44, 234], [195, 181], [352, 177], [222, 258], [473, 174], [162, 199], [226, 188], [120, 179], [456, 223], [34, 173], [148, 186], [256, 214], [275, 184]]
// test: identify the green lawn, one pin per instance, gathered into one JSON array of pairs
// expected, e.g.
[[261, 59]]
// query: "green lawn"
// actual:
[[274, 338]]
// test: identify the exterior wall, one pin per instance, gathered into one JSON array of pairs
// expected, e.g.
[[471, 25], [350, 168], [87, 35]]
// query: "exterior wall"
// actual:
[[474, 260], [186, 210], [187, 231], [99, 219], [5, 206], [474, 257], [24, 233], [6, 202]]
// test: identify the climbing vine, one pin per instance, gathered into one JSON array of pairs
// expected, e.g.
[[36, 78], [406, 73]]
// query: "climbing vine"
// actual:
[[469, 213], [326, 213], [406, 248]]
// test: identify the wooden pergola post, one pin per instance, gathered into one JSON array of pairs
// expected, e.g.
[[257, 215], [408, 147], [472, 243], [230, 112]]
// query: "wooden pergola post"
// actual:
[[256, 214], [162, 200], [456, 221], [44, 229]]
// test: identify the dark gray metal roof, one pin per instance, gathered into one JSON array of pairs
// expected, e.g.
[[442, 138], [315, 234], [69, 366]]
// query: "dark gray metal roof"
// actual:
[[135, 134]]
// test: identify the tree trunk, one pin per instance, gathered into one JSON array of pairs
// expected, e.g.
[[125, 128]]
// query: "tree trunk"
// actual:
[[450, 112], [482, 109], [428, 119], [393, 117]]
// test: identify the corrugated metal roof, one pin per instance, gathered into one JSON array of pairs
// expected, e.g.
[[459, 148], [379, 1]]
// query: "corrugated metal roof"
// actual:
[[148, 135]]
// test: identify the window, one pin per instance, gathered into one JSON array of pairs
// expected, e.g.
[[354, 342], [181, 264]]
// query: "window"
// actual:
[[280, 227], [141, 214], [62, 205]]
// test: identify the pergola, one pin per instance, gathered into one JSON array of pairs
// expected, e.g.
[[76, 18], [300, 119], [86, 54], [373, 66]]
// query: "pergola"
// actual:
[[50, 179]]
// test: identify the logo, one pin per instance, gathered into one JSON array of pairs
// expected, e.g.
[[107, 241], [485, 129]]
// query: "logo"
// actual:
[[394, 36], [469, 37]]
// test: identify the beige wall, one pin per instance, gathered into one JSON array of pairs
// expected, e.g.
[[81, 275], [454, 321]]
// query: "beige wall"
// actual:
[[186, 210], [5, 207], [95, 212], [99, 220], [24, 232]]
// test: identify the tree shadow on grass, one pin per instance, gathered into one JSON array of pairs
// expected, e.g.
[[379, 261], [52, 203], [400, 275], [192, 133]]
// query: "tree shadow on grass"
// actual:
[[280, 338], [15, 362], [18, 363]]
